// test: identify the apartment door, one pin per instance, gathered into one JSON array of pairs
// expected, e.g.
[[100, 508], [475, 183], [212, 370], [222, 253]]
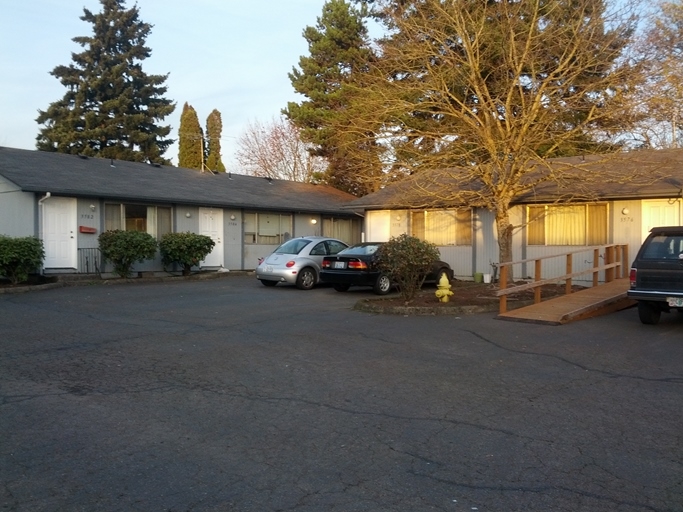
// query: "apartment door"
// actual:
[[211, 224], [60, 232], [660, 213]]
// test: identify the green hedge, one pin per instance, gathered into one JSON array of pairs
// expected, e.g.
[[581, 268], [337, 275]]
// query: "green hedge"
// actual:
[[407, 261], [123, 248], [186, 249], [19, 257]]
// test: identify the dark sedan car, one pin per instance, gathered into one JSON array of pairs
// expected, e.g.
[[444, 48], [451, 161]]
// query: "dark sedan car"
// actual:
[[357, 266]]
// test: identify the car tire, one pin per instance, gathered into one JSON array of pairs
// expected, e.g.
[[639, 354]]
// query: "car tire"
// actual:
[[648, 312], [382, 285], [306, 279], [440, 273], [266, 282], [341, 287]]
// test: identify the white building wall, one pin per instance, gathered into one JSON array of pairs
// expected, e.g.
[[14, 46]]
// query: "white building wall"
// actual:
[[186, 219], [460, 260], [17, 211], [233, 236], [626, 225], [89, 213], [486, 247], [307, 224]]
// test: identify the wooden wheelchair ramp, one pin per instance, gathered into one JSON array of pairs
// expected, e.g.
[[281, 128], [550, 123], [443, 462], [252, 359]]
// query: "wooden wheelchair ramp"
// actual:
[[598, 300]]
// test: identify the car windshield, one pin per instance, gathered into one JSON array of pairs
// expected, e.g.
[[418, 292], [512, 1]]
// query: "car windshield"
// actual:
[[293, 246], [360, 249]]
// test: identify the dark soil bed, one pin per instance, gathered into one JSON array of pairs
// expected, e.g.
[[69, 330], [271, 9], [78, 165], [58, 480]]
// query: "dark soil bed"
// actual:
[[33, 280], [468, 293]]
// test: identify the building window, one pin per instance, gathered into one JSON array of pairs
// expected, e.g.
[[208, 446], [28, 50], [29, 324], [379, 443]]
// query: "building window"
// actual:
[[443, 227], [345, 230], [267, 228], [577, 224], [155, 220]]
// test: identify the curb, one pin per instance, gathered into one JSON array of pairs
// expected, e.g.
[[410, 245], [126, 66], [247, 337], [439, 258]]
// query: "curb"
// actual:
[[116, 281], [33, 288]]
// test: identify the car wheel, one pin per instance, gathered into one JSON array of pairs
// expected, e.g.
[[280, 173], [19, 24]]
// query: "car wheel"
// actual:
[[382, 285], [648, 313], [306, 279], [441, 273], [268, 283], [341, 287]]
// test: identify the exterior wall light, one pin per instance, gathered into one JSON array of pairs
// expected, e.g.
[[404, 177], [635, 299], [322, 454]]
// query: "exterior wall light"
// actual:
[[92, 207], [188, 215], [624, 211], [314, 221]]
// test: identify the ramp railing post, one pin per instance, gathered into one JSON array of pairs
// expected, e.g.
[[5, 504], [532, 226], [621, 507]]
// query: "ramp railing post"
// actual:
[[503, 304], [596, 264]]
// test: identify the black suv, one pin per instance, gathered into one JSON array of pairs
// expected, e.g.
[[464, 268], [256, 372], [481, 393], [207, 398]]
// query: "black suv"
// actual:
[[657, 274]]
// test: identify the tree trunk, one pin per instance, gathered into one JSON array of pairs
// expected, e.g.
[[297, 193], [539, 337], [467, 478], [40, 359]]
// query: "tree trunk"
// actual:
[[505, 240]]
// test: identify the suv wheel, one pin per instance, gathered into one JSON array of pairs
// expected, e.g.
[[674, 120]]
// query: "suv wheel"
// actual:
[[648, 312]]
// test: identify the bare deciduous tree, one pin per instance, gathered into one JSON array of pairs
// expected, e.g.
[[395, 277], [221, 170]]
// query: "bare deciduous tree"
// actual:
[[662, 49], [482, 93], [276, 151]]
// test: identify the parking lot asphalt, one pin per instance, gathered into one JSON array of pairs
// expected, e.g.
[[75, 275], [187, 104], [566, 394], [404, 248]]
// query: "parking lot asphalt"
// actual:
[[225, 395]]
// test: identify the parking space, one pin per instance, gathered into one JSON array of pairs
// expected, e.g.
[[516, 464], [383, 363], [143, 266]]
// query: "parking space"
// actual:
[[227, 395]]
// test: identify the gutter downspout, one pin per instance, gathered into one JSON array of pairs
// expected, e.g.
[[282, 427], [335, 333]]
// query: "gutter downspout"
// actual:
[[41, 221]]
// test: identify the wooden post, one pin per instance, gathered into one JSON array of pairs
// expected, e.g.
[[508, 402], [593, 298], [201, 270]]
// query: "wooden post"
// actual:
[[503, 304], [596, 261], [609, 258], [625, 270], [568, 270], [537, 277]]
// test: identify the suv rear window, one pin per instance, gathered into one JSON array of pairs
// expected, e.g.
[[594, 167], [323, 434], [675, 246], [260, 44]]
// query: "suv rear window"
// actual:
[[663, 247]]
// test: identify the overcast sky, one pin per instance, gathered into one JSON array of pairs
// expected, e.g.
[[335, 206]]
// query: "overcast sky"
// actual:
[[233, 55]]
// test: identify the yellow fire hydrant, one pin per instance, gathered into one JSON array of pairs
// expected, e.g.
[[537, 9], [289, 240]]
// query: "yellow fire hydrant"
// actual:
[[443, 291]]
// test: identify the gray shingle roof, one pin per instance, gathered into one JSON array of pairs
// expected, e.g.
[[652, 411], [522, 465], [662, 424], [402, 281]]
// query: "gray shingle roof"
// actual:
[[71, 175], [660, 176]]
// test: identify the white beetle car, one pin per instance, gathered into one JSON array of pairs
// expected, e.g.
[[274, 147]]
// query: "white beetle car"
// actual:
[[298, 261]]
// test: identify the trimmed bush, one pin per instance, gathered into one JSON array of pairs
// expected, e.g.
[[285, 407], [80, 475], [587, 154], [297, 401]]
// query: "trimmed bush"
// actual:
[[123, 248], [407, 261], [186, 249], [19, 257]]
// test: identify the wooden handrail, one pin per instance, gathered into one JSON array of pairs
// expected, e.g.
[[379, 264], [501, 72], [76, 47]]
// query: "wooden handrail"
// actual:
[[588, 248], [616, 258], [541, 282]]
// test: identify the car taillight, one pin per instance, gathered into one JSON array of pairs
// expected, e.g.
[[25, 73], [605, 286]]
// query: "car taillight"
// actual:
[[358, 265], [290, 264], [632, 277], [326, 264]]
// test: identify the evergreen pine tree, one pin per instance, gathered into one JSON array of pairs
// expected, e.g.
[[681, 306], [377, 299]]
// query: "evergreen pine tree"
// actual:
[[214, 127], [111, 107], [339, 52], [191, 140]]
